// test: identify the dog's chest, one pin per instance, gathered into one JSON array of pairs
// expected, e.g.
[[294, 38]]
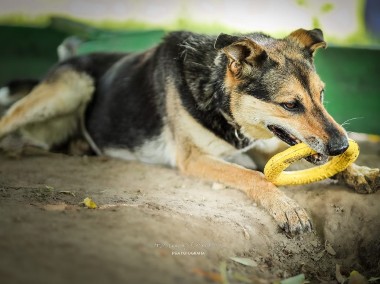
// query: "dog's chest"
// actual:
[[157, 150]]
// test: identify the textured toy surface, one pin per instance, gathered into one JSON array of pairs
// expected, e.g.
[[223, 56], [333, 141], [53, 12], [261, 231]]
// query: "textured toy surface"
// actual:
[[274, 169]]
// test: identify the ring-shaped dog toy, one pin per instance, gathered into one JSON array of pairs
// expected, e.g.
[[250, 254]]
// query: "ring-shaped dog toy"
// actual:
[[274, 169]]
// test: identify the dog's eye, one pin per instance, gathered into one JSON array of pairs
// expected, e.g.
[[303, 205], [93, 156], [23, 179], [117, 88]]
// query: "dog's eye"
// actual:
[[322, 95], [291, 106]]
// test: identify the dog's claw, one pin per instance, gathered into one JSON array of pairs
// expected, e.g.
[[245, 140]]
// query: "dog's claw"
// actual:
[[290, 217], [362, 179]]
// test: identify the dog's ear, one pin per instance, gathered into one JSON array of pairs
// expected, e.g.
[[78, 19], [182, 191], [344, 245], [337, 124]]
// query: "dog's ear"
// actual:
[[224, 40], [308, 39], [239, 49]]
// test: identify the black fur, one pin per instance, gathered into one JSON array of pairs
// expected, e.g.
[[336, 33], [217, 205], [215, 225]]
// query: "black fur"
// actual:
[[94, 64], [123, 80], [21, 86], [200, 83], [128, 107]]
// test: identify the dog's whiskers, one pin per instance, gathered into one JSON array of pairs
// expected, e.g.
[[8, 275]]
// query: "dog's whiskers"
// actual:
[[350, 119]]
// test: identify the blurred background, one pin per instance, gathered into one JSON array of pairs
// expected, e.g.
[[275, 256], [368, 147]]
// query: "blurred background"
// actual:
[[31, 30]]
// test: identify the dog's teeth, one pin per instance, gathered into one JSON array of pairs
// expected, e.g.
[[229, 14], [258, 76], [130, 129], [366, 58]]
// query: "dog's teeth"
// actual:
[[316, 157], [295, 139]]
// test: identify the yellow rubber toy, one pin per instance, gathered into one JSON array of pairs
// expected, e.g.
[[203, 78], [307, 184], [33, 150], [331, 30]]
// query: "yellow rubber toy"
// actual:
[[274, 169]]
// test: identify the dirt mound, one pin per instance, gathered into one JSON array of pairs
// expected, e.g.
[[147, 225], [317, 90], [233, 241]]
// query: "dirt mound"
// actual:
[[155, 226]]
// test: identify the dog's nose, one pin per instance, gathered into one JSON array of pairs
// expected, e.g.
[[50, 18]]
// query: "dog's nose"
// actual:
[[335, 147]]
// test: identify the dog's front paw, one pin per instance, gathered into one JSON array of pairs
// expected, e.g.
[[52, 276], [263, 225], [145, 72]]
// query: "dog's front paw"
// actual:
[[287, 213], [362, 179], [291, 217]]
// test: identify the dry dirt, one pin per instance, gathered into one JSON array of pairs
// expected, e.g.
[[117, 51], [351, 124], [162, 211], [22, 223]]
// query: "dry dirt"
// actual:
[[155, 226]]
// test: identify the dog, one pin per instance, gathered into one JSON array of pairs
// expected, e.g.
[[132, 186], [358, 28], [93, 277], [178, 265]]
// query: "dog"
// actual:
[[194, 102]]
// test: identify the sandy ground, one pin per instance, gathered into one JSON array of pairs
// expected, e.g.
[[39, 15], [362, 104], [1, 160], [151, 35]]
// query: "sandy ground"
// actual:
[[155, 226]]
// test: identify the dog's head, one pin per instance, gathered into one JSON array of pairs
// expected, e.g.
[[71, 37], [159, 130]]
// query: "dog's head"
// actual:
[[274, 90]]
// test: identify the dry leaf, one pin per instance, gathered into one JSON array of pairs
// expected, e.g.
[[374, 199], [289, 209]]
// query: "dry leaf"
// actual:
[[67, 192], [48, 187], [223, 272], [89, 203], [357, 278], [329, 249], [298, 279], [244, 261]]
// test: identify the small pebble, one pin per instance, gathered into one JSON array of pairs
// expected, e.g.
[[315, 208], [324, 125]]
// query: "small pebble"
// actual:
[[217, 186]]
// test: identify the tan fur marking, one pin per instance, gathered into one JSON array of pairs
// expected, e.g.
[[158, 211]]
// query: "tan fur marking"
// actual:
[[235, 68], [249, 113], [304, 39], [307, 124], [198, 155], [186, 130], [231, 80], [254, 115], [310, 123]]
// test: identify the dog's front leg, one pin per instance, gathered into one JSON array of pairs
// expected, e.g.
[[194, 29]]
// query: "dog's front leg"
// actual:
[[362, 179], [287, 213]]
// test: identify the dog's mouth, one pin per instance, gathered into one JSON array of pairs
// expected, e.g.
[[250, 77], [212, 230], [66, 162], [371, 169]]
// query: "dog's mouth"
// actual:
[[291, 140]]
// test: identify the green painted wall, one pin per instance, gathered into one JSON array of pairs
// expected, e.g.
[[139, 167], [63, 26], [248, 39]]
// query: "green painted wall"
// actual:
[[352, 77]]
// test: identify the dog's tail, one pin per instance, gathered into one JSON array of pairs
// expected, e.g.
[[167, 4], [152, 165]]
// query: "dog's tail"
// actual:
[[68, 48]]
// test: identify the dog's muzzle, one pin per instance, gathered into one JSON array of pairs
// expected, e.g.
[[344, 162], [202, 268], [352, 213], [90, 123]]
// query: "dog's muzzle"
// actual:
[[317, 159]]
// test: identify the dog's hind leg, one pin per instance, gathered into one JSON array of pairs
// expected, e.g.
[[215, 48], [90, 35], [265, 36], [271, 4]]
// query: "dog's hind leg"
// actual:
[[56, 104]]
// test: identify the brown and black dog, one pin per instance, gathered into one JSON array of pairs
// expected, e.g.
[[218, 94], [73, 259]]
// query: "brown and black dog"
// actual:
[[194, 102]]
